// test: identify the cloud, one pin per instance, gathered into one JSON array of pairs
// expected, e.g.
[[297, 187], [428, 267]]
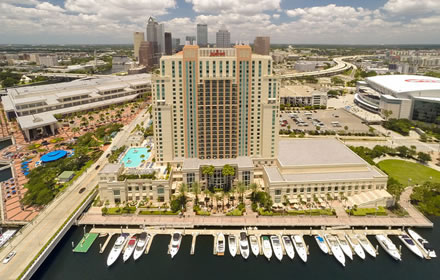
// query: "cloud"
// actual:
[[235, 6], [46, 6], [412, 7], [276, 16]]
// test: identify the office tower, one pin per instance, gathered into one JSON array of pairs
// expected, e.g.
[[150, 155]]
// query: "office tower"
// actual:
[[213, 103], [168, 43], [152, 26], [138, 38], [146, 54], [190, 39], [155, 35], [262, 45], [202, 35], [161, 38], [223, 38], [176, 44]]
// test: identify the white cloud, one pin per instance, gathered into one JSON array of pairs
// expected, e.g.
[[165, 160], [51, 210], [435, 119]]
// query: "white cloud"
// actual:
[[46, 6], [235, 6], [412, 7], [276, 16]]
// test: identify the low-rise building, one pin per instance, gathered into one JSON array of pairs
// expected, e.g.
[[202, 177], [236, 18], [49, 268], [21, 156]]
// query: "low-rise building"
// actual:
[[299, 95], [34, 107]]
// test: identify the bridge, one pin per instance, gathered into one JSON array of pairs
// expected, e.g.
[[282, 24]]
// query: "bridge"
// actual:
[[339, 68]]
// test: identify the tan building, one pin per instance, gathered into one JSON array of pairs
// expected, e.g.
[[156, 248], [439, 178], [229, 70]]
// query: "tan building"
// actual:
[[300, 95], [215, 103], [312, 168], [146, 54], [262, 45], [138, 38]]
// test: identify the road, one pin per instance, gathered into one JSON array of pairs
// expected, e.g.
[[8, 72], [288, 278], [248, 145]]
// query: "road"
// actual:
[[36, 234]]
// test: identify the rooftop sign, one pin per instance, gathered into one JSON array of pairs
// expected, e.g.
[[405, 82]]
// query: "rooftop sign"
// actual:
[[217, 53]]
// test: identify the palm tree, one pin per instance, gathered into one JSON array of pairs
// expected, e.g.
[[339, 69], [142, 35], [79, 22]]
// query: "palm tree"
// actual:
[[208, 171], [228, 172], [241, 189], [182, 189], [222, 195], [217, 198], [196, 190]]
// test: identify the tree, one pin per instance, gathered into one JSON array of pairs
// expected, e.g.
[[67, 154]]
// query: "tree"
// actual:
[[196, 190], [104, 210], [387, 114], [395, 188], [208, 171], [9, 82], [403, 151], [423, 157], [241, 189], [182, 189]]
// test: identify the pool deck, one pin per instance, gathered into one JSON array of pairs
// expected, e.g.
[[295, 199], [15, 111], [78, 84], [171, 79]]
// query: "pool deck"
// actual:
[[127, 153]]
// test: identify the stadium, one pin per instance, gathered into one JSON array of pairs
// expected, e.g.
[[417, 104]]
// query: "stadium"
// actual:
[[404, 96]]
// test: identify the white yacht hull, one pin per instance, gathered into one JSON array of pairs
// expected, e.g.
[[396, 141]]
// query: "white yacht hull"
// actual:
[[288, 246], [128, 252], [366, 245], [220, 244], [140, 249], [321, 244], [388, 246], [345, 247], [300, 247], [254, 245], [335, 248], [412, 247], [419, 241], [116, 252], [232, 244], [276, 245], [175, 245], [357, 248], [267, 249]]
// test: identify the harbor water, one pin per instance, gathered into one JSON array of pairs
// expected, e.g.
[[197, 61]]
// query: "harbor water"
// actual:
[[64, 264]]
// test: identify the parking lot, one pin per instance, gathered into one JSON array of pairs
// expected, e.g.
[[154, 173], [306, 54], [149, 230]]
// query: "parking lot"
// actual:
[[329, 120]]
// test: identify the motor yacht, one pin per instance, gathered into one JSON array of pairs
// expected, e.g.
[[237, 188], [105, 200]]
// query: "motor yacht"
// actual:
[[422, 243], [244, 245], [176, 239], [141, 245], [388, 246], [117, 249], [354, 243], [288, 246], [255, 247], [335, 248], [130, 248], [232, 244], [300, 246], [410, 244], [276, 245], [220, 244], [267, 249], [321, 243]]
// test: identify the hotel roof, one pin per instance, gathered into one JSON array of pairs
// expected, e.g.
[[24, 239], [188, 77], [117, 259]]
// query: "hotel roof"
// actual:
[[195, 163], [316, 152]]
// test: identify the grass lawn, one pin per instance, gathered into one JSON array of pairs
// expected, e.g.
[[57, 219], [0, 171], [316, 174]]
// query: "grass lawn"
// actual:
[[403, 170]]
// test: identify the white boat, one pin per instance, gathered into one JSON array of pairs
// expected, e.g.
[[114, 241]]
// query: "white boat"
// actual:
[[176, 239], [117, 249], [5, 236], [354, 243], [335, 248], [276, 245], [254, 245], [220, 244], [388, 246], [244, 245], [345, 247], [321, 243], [422, 243], [366, 244], [300, 246], [409, 243], [141, 245], [232, 244], [9, 257], [267, 249], [288, 246], [130, 248]]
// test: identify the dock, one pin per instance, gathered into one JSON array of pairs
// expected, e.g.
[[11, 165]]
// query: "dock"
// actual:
[[106, 243], [86, 242], [147, 250], [193, 243]]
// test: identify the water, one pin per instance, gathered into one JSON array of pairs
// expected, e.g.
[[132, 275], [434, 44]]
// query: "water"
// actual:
[[64, 264], [5, 143], [133, 157]]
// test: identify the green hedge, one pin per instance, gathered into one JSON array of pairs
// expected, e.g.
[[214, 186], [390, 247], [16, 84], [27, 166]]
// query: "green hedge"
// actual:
[[121, 210], [368, 212], [313, 212], [235, 212], [146, 212]]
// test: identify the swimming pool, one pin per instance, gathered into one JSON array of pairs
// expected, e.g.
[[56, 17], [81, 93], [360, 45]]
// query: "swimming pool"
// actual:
[[133, 157]]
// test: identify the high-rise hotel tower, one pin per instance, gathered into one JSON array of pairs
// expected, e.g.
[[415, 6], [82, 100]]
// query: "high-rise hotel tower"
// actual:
[[215, 103]]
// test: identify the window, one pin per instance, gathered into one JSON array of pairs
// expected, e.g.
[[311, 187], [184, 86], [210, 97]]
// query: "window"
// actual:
[[277, 192], [160, 190], [116, 192], [247, 177]]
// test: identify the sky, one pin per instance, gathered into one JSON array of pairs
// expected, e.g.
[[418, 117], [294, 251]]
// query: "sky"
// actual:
[[285, 21]]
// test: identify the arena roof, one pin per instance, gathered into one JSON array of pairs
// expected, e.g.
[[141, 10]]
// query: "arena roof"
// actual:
[[405, 83]]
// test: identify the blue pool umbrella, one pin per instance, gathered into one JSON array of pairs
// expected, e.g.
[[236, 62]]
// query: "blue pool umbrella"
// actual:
[[24, 163], [26, 173], [53, 156], [14, 192]]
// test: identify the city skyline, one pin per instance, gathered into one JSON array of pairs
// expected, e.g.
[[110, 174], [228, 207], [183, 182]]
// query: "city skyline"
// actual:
[[291, 22]]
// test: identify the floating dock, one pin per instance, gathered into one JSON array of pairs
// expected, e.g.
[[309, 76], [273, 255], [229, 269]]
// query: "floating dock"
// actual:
[[86, 242]]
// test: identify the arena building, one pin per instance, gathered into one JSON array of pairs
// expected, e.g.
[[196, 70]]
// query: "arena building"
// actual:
[[405, 96]]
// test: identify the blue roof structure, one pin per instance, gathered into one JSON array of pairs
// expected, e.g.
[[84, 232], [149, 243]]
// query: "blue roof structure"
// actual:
[[53, 156]]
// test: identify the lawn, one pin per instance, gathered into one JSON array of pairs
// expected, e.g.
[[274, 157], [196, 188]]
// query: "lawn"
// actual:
[[403, 170]]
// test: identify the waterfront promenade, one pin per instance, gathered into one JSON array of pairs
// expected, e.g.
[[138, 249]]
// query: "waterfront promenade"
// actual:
[[31, 239]]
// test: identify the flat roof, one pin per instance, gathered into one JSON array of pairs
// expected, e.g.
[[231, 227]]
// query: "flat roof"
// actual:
[[299, 91], [110, 168], [195, 163], [309, 152], [37, 120], [406, 83]]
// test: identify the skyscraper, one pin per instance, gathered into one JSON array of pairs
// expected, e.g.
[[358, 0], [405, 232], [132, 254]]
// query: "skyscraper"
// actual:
[[146, 54], [152, 26], [190, 39], [168, 44], [202, 35], [223, 38], [213, 103], [161, 37], [262, 45], [138, 38], [176, 44], [155, 35]]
